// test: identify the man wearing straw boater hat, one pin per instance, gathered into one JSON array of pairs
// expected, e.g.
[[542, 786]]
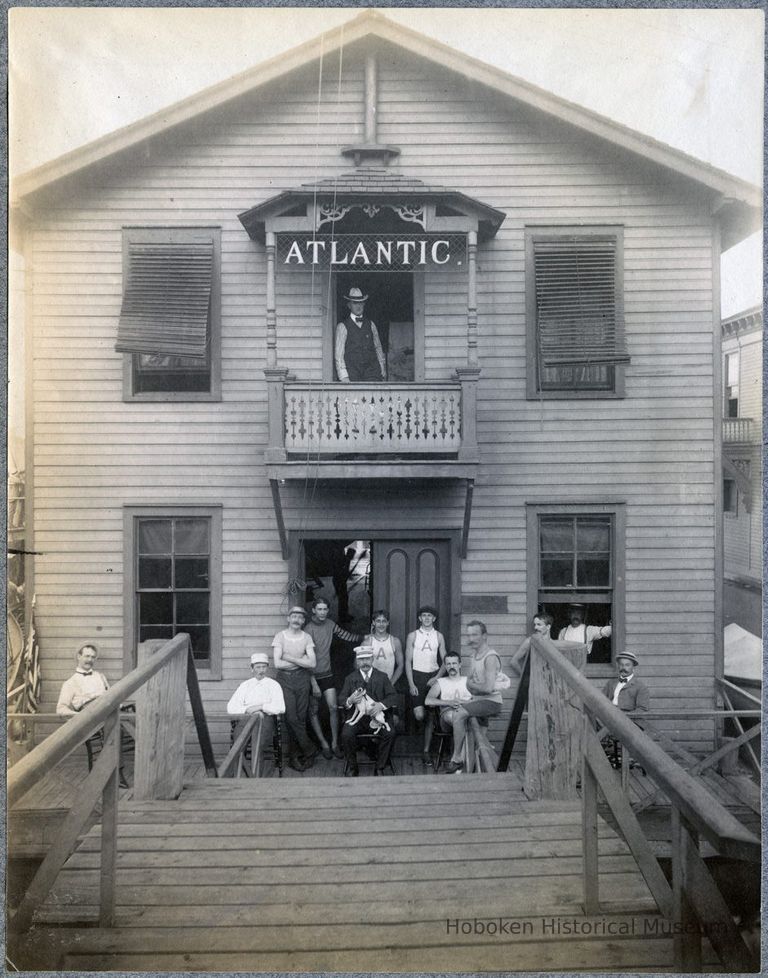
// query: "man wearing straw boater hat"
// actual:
[[358, 352], [626, 691]]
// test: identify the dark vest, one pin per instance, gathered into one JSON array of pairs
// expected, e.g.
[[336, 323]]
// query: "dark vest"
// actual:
[[359, 352]]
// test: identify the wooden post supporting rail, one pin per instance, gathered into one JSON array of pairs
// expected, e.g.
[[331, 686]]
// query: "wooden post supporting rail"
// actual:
[[109, 797], [159, 770], [553, 752]]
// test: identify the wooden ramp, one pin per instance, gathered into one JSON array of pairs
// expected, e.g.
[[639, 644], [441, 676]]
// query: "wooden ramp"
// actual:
[[391, 874]]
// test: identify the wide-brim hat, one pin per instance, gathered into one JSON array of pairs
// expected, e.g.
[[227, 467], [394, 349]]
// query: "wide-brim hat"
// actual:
[[363, 651], [355, 295], [259, 657], [299, 609], [629, 655]]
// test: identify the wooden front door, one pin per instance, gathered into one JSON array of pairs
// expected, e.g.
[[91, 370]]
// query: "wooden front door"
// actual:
[[410, 573]]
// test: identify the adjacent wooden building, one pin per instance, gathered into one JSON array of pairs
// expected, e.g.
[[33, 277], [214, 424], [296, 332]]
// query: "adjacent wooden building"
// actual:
[[546, 286]]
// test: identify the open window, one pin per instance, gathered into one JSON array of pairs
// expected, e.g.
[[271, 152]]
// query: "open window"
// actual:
[[576, 554], [391, 305]]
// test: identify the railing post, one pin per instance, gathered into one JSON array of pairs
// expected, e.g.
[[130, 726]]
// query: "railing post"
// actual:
[[589, 830], [687, 936], [160, 724], [109, 798], [468, 377], [276, 379], [271, 310]]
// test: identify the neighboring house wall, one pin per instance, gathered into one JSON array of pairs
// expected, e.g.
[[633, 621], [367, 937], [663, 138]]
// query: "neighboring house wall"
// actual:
[[651, 452], [743, 528]]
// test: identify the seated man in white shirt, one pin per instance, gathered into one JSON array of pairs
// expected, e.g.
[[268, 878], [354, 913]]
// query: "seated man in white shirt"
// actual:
[[449, 692], [259, 694], [82, 687], [578, 631]]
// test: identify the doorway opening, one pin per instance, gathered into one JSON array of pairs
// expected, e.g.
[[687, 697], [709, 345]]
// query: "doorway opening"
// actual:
[[391, 307]]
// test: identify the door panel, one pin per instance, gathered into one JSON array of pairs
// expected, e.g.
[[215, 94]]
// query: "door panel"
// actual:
[[409, 573]]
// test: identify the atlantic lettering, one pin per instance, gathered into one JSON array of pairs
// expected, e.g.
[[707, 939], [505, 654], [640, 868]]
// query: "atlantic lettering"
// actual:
[[370, 251]]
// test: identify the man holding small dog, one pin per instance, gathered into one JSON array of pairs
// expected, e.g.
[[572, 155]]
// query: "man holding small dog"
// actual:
[[376, 685]]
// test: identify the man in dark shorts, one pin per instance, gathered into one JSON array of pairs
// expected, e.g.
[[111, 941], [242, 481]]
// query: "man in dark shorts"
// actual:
[[424, 655]]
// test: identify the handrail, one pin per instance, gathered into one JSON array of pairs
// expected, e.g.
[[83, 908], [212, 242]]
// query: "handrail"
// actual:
[[244, 735], [738, 689], [47, 755], [701, 810]]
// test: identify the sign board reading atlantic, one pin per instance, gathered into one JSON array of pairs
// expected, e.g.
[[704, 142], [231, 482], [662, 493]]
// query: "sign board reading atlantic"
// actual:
[[371, 252]]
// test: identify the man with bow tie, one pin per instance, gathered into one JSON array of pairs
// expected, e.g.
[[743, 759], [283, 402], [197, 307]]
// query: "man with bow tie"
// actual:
[[626, 691], [377, 685], [83, 686], [358, 352]]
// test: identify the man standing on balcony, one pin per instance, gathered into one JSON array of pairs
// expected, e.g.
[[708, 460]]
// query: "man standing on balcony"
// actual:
[[358, 352]]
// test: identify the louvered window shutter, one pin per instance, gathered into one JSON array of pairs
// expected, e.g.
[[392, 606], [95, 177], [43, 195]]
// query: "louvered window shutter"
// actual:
[[576, 307], [167, 299]]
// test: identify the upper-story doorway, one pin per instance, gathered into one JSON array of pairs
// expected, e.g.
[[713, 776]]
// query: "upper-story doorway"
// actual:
[[395, 304]]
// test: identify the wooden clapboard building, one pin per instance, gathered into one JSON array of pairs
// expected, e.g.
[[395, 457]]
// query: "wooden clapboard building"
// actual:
[[545, 283]]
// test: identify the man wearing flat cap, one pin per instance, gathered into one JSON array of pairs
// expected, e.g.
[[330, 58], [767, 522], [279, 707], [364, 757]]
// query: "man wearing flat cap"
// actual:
[[627, 691], [577, 631], [357, 351], [377, 685], [295, 661]]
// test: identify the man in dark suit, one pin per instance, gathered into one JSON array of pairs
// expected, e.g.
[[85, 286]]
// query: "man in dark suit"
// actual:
[[358, 351], [627, 691], [376, 685]]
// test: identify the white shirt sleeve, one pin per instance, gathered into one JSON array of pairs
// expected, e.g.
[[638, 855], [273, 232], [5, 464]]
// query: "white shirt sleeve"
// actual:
[[379, 350], [237, 702], [341, 342], [275, 703]]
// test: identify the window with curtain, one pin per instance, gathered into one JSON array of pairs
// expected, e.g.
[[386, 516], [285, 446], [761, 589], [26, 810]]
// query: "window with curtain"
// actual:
[[574, 309], [169, 318]]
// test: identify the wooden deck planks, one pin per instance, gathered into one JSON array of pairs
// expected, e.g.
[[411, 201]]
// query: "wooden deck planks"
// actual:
[[352, 874]]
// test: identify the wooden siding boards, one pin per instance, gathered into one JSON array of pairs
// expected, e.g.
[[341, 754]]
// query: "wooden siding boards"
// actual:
[[653, 449]]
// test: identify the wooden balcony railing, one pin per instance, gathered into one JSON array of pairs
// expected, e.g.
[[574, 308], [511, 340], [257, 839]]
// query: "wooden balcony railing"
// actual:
[[412, 419], [737, 431]]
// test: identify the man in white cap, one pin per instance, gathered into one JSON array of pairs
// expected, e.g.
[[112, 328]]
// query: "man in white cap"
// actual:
[[259, 694], [358, 352], [626, 691], [377, 685], [578, 631]]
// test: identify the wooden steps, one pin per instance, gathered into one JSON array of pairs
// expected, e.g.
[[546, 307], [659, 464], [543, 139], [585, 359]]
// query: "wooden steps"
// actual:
[[350, 875]]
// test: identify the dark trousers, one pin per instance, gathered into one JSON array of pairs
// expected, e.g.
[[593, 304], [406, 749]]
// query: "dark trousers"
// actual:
[[383, 741], [296, 688]]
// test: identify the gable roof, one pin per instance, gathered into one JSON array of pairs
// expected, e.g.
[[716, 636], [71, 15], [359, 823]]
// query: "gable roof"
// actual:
[[373, 24]]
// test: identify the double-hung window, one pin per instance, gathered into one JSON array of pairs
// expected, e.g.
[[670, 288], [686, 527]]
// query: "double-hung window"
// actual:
[[574, 311], [576, 555], [173, 574], [169, 324]]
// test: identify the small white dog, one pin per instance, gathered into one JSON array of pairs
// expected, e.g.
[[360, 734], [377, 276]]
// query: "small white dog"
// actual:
[[365, 707]]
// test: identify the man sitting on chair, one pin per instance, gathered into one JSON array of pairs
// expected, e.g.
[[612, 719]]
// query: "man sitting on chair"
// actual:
[[449, 692], [627, 692], [382, 692], [260, 694], [82, 687]]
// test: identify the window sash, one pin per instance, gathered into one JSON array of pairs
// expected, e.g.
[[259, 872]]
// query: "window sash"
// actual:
[[177, 619]]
